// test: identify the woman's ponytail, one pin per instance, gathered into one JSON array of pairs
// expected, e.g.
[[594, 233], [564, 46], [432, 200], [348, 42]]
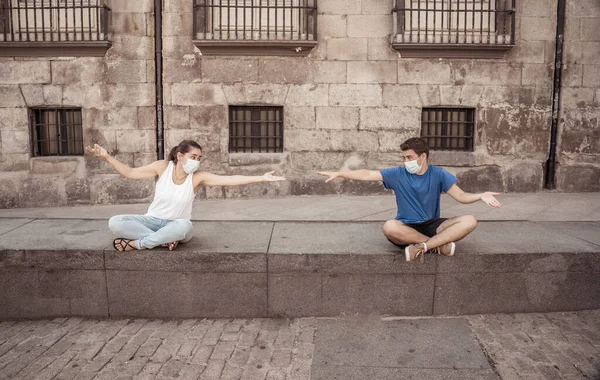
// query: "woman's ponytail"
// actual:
[[173, 154]]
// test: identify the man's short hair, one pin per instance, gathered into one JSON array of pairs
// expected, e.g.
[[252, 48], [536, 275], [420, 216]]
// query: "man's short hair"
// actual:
[[417, 144]]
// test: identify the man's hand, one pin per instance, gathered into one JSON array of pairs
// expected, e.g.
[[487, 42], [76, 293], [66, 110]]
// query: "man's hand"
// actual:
[[97, 151], [488, 199], [331, 175], [269, 177]]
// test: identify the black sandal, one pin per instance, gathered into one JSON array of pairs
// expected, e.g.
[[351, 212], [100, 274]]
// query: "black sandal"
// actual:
[[123, 244]]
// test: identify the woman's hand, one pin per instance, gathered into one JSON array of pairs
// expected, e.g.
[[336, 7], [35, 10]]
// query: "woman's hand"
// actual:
[[97, 151], [269, 177]]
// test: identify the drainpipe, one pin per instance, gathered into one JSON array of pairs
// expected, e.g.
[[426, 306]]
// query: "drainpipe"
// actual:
[[549, 182], [160, 127]]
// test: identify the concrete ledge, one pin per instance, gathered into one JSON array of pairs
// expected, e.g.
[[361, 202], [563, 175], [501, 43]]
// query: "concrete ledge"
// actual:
[[267, 269]]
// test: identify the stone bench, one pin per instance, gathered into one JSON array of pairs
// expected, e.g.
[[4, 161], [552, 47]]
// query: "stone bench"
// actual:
[[68, 267]]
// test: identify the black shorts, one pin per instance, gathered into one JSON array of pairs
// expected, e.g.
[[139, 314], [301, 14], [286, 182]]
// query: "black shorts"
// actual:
[[427, 228]]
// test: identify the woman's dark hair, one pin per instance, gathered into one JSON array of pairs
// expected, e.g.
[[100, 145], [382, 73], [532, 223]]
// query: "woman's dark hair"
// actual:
[[417, 144], [183, 147]]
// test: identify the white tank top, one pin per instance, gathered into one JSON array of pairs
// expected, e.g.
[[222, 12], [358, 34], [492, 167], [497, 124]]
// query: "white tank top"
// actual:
[[172, 201]]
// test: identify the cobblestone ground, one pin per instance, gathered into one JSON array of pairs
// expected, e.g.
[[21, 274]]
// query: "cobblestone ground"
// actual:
[[73, 348], [522, 346], [541, 346]]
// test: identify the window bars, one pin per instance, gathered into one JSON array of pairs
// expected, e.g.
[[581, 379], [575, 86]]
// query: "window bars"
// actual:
[[255, 20], [448, 128], [455, 22], [53, 20], [56, 132], [256, 129]]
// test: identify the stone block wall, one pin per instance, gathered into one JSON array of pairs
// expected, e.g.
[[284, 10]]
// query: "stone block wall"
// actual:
[[348, 105], [579, 143], [116, 97]]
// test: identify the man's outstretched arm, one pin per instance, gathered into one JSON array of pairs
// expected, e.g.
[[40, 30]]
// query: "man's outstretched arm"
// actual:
[[466, 198], [358, 175]]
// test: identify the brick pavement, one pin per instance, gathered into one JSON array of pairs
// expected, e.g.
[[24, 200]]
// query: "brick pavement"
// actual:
[[520, 346], [64, 349]]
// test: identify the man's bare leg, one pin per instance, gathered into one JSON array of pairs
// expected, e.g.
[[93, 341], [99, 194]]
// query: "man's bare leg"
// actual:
[[452, 230], [401, 234]]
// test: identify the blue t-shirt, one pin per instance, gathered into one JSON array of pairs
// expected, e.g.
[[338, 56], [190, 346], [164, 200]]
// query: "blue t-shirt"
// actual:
[[417, 196]]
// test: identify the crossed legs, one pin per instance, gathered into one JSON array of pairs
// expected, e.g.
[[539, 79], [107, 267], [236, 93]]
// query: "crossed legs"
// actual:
[[451, 230]]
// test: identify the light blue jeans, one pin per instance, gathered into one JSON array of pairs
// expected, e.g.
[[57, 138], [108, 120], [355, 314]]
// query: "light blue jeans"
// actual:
[[149, 232]]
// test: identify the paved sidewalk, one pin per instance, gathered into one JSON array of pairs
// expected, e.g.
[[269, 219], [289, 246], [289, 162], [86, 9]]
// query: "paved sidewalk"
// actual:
[[508, 347], [543, 206]]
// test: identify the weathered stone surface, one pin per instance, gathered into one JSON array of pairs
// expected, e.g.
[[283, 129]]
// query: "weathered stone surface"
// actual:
[[9, 195], [369, 25], [525, 177], [130, 23], [337, 117], [255, 93], [399, 118], [340, 7], [332, 26], [578, 178], [307, 95], [355, 95], [183, 71], [79, 70], [488, 178], [398, 95], [424, 72], [77, 190], [479, 73], [197, 94], [177, 117], [53, 94], [57, 165], [211, 119], [299, 117], [13, 118], [538, 28], [31, 188], [175, 24], [112, 188], [15, 141], [126, 72], [380, 49], [19, 72], [347, 49], [354, 141], [11, 96], [306, 140], [229, 70], [372, 72], [136, 141], [132, 47], [287, 71]]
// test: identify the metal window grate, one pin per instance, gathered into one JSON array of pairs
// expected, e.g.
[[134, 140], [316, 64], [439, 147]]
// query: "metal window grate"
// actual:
[[255, 129], [455, 22], [53, 20], [448, 128], [56, 132], [255, 20]]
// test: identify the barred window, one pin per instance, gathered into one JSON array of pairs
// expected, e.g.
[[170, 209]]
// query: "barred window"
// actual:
[[255, 27], [452, 26], [256, 129], [53, 20], [448, 128], [56, 132]]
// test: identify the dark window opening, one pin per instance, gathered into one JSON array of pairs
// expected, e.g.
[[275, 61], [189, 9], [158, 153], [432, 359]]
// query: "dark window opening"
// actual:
[[256, 129], [56, 132], [448, 128]]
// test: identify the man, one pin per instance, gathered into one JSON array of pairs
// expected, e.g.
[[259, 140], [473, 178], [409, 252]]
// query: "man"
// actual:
[[418, 186]]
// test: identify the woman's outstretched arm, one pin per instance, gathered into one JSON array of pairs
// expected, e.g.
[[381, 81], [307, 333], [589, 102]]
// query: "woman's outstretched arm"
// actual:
[[149, 171]]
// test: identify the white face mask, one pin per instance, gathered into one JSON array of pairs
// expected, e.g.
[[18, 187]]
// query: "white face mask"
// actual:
[[413, 166], [190, 165]]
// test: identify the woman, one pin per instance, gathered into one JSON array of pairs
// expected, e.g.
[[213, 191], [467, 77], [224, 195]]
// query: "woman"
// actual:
[[167, 221]]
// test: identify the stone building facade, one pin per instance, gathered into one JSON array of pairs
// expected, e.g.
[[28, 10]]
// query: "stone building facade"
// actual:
[[348, 104]]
